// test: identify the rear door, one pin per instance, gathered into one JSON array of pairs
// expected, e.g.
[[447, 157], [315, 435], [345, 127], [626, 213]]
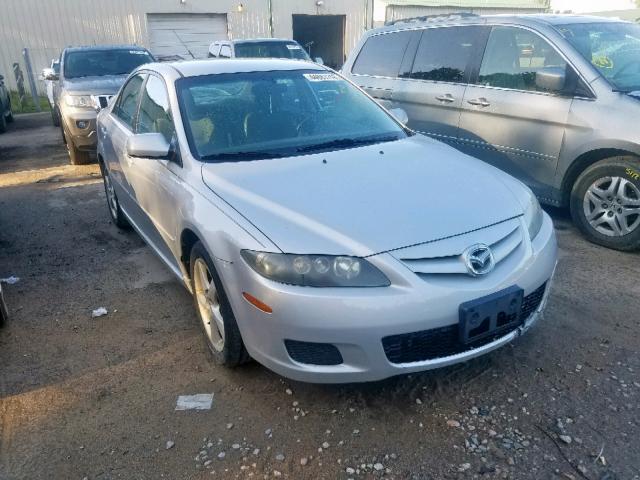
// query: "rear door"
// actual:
[[378, 65], [432, 91], [507, 120]]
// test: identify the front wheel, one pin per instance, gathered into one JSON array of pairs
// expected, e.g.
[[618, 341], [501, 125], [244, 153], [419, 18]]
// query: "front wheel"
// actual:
[[112, 200], [214, 311], [605, 203]]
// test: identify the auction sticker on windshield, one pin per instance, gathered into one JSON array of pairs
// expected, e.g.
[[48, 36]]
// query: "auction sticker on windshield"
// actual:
[[321, 77]]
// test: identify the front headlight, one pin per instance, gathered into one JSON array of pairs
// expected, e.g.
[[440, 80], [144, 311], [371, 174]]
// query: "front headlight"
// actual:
[[315, 270], [533, 216], [79, 101]]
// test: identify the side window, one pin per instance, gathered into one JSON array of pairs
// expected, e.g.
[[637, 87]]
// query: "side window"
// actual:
[[382, 55], [127, 103], [444, 53], [513, 56], [225, 51], [215, 50], [154, 116]]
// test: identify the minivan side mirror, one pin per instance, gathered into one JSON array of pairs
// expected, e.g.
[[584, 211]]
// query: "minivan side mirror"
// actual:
[[148, 145], [551, 78], [319, 60], [49, 74], [400, 115]]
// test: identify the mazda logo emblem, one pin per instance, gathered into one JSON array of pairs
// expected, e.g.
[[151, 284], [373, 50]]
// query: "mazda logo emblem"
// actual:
[[478, 259]]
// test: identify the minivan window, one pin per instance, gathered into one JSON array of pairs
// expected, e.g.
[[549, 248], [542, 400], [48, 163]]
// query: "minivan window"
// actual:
[[127, 104], [382, 55], [444, 53], [154, 116], [513, 56], [612, 47]]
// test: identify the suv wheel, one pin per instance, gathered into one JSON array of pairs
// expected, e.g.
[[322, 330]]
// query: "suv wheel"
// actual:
[[112, 200], [3, 120], [605, 203], [76, 156], [214, 311]]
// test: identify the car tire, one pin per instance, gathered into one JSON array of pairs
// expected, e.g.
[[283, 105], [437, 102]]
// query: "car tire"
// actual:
[[604, 201], [3, 121], [214, 312], [76, 156], [115, 212], [10, 116], [55, 118]]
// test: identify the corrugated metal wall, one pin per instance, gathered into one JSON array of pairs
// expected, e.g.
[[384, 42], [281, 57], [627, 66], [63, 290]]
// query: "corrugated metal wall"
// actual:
[[47, 26], [396, 12]]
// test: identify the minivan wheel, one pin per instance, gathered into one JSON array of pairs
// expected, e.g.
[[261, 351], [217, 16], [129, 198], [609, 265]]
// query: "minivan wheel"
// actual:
[[605, 203], [115, 212], [214, 311]]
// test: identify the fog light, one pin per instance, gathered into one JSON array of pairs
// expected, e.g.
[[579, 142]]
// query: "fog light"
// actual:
[[82, 124]]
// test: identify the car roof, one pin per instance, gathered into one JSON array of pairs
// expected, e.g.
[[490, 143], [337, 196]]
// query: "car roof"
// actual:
[[472, 19], [262, 40], [194, 68], [104, 47]]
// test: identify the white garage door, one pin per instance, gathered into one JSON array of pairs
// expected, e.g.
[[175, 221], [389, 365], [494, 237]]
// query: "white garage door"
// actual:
[[184, 34]]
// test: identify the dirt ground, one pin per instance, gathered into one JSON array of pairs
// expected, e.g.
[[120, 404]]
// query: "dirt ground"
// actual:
[[94, 398]]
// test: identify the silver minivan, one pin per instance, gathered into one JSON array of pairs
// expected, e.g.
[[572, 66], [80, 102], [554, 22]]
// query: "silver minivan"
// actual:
[[550, 99]]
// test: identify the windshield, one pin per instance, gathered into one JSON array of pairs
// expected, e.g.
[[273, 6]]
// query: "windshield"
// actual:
[[245, 116], [270, 50], [612, 47], [95, 63]]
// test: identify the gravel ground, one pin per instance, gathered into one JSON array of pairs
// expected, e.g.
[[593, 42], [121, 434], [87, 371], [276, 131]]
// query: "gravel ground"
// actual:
[[94, 398]]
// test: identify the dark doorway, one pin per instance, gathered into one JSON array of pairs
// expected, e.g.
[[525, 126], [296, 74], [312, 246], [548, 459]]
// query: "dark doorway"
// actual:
[[321, 36]]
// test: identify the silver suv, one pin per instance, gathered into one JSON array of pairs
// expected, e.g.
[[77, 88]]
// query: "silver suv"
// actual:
[[550, 99], [88, 78], [258, 48]]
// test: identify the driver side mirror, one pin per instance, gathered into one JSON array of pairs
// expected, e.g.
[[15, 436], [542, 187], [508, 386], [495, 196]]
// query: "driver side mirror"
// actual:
[[148, 145], [319, 60], [552, 79], [49, 74], [400, 115]]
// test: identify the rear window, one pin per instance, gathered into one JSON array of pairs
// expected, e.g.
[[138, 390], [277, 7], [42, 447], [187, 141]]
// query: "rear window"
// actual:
[[270, 50], [382, 55]]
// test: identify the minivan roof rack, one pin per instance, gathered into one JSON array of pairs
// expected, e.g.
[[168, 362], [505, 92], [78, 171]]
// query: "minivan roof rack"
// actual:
[[434, 18]]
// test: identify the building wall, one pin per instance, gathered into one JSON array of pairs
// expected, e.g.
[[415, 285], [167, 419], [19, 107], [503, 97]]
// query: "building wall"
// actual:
[[47, 26]]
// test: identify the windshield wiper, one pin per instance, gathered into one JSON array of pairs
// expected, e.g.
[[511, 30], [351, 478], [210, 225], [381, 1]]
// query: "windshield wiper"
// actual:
[[346, 143], [255, 155]]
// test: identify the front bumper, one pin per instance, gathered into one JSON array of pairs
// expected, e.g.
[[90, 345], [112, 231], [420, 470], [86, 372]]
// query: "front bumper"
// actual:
[[80, 127], [356, 320]]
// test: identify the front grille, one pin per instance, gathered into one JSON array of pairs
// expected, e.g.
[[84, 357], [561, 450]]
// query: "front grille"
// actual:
[[102, 101], [313, 353], [445, 341]]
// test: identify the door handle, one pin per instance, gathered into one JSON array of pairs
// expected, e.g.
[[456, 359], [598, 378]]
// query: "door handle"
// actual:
[[479, 102], [448, 98]]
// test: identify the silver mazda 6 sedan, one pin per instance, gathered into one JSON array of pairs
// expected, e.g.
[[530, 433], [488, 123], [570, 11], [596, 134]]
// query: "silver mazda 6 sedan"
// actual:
[[317, 234]]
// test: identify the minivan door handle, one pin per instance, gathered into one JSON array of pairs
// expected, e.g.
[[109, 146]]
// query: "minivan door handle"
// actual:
[[479, 102], [448, 98]]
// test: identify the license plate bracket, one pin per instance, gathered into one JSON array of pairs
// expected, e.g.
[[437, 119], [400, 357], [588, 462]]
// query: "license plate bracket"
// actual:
[[490, 315]]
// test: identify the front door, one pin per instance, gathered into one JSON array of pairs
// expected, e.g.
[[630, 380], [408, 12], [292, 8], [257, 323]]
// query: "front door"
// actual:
[[506, 119], [432, 92]]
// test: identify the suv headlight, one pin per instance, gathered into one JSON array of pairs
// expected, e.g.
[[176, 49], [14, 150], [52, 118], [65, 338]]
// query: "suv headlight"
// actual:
[[315, 270], [533, 216], [79, 101]]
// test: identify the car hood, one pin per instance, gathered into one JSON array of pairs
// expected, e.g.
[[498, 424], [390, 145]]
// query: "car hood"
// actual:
[[362, 201], [103, 85]]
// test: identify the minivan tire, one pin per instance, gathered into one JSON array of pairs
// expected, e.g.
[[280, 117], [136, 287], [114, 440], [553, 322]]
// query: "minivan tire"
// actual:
[[599, 176], [232, 353]]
